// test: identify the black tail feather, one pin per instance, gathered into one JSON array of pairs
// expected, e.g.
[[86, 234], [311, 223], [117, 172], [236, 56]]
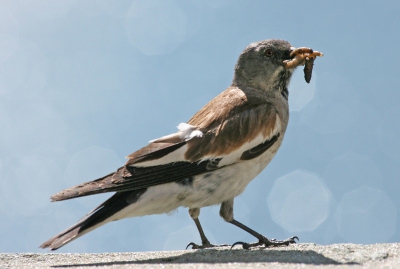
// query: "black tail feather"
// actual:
[[94, 219]]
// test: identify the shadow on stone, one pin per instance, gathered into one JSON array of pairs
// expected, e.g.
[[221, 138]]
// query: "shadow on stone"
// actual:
[[229, 256]]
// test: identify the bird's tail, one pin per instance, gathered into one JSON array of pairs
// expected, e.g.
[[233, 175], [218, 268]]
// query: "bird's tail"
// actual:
[[100, 185], [101, 215]]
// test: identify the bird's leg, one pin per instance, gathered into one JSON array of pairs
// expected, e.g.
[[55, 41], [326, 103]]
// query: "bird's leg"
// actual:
[[194, 213], [226, 212]]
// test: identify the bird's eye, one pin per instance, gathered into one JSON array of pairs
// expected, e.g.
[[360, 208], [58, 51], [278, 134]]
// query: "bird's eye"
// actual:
[[268, 52]]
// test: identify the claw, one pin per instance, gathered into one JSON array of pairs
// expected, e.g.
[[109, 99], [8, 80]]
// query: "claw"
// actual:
[[194, 246], [244, 245]]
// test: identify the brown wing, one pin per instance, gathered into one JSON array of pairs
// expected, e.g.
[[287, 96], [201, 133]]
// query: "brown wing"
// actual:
[[227, 122], [230, 120]]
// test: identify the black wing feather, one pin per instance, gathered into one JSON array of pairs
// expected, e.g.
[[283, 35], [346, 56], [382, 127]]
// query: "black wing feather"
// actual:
[[129, 178], [259, 149]]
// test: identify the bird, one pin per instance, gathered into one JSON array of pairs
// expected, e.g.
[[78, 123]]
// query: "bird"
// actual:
[[211, 158]]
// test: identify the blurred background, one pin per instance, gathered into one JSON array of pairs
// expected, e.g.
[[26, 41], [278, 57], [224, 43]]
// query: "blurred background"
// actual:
[[85, 83]]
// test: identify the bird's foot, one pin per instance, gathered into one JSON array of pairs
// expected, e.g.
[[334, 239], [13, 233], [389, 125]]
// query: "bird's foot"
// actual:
[[268, 242], [204, 245]]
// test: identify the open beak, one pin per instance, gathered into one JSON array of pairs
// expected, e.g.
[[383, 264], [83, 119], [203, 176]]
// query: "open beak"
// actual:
[[302, 56]]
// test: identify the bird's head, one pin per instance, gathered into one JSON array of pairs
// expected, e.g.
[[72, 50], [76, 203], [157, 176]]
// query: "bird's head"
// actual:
[[269, 64]]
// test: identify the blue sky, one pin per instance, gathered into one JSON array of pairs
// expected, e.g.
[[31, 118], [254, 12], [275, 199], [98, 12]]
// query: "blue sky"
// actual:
[[85, 83]]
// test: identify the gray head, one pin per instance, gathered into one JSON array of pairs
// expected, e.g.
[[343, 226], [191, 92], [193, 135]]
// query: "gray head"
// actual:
[[261, 65], [269, 64]]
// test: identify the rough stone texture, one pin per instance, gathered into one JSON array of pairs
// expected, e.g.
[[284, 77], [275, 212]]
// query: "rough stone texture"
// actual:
[[295, 256]]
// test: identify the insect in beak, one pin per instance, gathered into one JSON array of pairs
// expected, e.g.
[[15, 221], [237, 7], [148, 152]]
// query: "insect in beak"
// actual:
[[303, 56]]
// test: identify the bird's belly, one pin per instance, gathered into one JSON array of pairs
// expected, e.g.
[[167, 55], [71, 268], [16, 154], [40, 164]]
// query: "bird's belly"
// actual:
[[223, 184]]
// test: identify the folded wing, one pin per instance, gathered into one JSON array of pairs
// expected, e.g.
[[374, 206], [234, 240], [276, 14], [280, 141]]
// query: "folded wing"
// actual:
[[199, 147]]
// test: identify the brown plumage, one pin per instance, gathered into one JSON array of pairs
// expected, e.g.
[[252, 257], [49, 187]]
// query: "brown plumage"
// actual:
[[231, 119], [225, 130]]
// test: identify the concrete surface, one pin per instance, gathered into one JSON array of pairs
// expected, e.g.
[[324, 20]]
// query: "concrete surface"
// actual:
[[295, 256]]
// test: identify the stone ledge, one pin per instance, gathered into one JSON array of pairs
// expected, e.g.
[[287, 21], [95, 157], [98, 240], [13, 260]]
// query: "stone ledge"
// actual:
[[295, 256]]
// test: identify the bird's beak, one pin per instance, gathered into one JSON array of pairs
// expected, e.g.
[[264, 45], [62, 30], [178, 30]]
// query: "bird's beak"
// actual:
[[300, 56]]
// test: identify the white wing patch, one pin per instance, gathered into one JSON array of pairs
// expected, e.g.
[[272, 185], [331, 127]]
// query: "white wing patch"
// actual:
[[188, 131]]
